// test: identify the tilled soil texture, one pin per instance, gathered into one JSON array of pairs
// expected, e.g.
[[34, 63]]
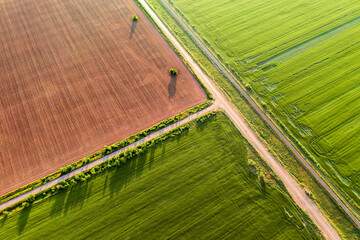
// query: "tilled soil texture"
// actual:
[[76, 75]]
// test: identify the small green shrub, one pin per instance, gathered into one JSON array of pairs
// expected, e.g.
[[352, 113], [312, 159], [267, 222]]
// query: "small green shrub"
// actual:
[[25, 204], [263, 104], [248, 87], [135, 18], [173, 71], [30, 198]]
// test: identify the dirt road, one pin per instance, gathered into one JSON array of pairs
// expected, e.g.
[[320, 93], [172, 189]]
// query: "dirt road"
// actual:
[[296, 191]]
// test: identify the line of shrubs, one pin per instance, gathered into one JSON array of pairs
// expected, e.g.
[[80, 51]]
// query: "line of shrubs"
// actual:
[[116, 161], [116, 146]]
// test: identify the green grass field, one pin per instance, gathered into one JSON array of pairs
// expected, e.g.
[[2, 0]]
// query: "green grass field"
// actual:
[[301, 59], [197, 185]]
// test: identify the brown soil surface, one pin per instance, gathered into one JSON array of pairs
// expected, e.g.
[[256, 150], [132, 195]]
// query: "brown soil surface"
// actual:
[[76, 75]]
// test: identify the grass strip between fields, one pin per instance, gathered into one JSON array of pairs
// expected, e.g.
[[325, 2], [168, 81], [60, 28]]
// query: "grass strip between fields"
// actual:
[[202, 179]]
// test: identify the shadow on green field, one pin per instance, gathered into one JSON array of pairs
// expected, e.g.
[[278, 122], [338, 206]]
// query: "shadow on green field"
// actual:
[[105, 184], [58, 204], [73, 197], [152, 156], [23, 219], [2, 222], [76, 197], [124, 175]]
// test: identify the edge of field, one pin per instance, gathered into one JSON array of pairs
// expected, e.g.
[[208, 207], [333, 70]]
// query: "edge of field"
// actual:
[[264, 171], [109, 149], [333, 212], [306, 153]]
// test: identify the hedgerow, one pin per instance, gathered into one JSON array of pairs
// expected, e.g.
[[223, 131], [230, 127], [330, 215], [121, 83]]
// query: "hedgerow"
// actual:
[[105, 151], [116, 161]]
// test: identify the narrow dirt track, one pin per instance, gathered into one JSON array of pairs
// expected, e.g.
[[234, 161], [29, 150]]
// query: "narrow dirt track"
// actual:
[[293, 187]]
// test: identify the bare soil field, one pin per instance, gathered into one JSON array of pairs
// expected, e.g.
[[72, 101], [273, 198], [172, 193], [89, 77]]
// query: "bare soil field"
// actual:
[[76, 75]]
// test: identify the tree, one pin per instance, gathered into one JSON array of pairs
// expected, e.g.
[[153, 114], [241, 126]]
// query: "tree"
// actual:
[[117, 163], [30, 198], [135, 18], [173, 71]]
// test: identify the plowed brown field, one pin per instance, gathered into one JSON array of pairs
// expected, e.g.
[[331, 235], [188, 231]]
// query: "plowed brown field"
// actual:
[[76, 75]]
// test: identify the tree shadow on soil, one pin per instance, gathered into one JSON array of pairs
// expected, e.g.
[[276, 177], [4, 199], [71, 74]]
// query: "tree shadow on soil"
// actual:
[[133, 27], [23, 218], [172, 86]]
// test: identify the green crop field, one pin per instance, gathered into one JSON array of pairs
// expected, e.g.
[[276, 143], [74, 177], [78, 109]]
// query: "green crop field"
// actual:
[[197, 185], [301, 58]]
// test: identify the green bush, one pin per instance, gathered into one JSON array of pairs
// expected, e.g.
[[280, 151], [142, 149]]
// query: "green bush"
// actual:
[[30, 198], [135, 18], [25, 204], [248, 87], [173, 71], [264, 104]]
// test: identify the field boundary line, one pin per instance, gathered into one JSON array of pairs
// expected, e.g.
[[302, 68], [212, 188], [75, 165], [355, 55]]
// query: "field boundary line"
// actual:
[[333, 192]]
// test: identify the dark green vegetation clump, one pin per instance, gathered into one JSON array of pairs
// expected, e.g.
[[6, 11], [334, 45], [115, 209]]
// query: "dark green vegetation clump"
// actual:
[[173, 71], [195, 185], [135, 18]]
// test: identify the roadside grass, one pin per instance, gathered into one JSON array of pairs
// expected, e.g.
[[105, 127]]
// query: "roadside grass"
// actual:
[[197, 185], [344, 225], [301, 60]]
